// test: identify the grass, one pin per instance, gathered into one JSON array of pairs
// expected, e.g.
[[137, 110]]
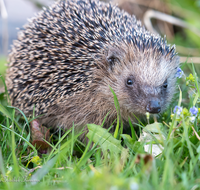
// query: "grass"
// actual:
[[112, 161], [112, 164], [2, 68]]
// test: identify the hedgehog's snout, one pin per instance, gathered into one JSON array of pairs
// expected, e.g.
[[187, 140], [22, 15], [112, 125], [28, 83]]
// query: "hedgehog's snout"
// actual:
[[153, 106]]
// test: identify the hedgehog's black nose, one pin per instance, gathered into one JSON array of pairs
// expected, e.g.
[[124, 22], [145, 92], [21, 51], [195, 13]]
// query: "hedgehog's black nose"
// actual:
[[153, 107]]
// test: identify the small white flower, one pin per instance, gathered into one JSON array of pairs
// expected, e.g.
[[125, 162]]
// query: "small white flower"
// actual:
[[192, 119], [134, 186]]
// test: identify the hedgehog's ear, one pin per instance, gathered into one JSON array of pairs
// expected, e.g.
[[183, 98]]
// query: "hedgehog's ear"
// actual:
[[112, 57]]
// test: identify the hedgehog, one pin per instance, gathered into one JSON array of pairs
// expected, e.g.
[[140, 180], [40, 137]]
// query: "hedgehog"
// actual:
[[68, 57]]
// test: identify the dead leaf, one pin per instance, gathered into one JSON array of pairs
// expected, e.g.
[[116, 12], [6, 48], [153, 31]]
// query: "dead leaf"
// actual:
[[38, 133]]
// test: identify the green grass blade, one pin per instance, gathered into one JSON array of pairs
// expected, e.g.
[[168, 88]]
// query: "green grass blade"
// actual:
[[21, 138]]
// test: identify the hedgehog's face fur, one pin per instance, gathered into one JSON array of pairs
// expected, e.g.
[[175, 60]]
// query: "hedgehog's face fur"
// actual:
[[143, 81]]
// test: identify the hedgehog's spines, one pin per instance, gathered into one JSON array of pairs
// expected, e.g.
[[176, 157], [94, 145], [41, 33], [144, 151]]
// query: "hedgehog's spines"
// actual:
[[57, 51]]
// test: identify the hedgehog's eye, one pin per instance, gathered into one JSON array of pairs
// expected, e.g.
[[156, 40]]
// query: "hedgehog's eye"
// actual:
[[165, 84], [129, 82]]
